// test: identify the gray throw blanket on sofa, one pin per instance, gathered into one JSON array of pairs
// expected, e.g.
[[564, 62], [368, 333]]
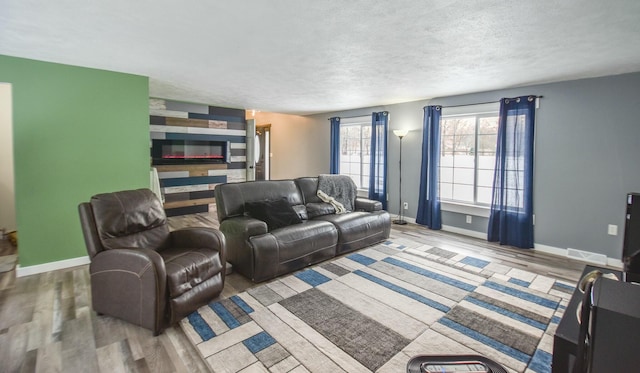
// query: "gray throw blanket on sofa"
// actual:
[[339, 188]]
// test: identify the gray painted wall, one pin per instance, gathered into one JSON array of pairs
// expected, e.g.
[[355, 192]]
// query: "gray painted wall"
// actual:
[[587, 154]]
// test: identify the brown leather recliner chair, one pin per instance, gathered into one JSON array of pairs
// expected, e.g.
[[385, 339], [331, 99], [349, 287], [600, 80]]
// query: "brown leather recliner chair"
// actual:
[[140, 271]]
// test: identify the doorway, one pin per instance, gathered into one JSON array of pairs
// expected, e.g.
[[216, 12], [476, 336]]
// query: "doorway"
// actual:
[[263, 152], [8, 225]]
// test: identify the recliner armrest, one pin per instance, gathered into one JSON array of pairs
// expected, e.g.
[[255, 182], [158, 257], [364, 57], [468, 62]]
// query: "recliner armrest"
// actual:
[[130, 284], [369, 205], [135, 260], [198, 237]]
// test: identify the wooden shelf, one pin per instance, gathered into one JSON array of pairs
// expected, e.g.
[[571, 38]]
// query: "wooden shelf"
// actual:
[[191, 167], [190, 202]]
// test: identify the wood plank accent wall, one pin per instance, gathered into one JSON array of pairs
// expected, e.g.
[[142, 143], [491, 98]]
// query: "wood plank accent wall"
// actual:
[[188, 189]]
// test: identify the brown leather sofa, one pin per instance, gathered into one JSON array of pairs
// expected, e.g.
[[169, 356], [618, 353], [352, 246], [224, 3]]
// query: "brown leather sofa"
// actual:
[[261, 254], [140, 271]]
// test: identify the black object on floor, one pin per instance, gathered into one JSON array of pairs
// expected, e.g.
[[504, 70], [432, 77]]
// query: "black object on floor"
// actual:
[[452, 364]]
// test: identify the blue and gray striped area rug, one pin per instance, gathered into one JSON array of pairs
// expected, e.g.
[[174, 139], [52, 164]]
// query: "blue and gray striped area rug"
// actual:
[[375, 309]]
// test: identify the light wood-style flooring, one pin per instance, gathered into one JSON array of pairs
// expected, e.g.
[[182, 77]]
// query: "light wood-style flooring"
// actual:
[[47, 324]]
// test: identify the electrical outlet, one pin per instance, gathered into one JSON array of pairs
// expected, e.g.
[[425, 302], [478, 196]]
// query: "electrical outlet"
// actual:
[[405, 205], [612, 230], [469, 219]]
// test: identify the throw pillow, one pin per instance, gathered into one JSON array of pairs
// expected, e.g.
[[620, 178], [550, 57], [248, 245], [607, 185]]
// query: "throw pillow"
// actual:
[[315, 209], [276, 213]]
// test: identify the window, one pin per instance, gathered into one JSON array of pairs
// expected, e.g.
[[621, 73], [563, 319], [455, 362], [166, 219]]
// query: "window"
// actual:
[[467, 157], [355, 149]]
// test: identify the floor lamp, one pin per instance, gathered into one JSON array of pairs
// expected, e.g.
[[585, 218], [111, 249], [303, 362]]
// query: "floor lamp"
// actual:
[[400, 220]]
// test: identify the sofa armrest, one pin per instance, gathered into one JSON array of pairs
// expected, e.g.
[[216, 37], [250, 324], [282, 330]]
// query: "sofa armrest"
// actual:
[[266, 258], [369, 205], [237, 231], [243, 226], [130, 284]]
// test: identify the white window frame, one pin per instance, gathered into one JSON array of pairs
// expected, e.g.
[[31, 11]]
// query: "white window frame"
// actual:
[[468, 110], [361, 121]]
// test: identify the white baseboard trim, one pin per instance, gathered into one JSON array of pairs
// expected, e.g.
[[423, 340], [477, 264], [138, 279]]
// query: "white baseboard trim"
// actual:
[[52, 266], [408, 220], [550, 249], [466, 232], [617, 263], [610, 262], [74, 262]]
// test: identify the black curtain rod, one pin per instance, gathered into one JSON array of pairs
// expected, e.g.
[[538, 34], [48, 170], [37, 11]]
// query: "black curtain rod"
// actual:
[[477, 103], [354, 116], [449, 106]]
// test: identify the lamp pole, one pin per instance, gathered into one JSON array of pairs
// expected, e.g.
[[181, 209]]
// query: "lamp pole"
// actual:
[[400, 220]]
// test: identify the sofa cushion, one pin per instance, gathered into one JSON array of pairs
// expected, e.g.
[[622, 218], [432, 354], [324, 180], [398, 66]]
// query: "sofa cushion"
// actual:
[[319, 209], [359, 229], [277, 213], [309, 188], [304, 239], [290, 248], [232, 197]]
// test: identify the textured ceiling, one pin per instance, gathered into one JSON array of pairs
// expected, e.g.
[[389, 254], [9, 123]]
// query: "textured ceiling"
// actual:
[[293, 56]]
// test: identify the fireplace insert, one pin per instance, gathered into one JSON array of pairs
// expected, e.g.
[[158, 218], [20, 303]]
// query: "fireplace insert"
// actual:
[[189, 152]]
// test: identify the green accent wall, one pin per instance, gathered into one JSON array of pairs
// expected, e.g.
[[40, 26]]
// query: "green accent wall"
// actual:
[[77, 132]]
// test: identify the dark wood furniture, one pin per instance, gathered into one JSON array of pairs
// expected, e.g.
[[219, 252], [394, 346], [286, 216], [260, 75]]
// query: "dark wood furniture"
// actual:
[[565, 340]]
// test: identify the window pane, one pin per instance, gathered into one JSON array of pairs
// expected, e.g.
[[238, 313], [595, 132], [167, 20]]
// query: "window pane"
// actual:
[[484, 195], [446, 160], [463, 176], [485, 178], [465, 160], [366, 131], [487, 144], [514, 198], [464, 144], [447, 127], [488, 125], [463, 193], [468, 146], [446, 174], [356, 180], [465, 126], [486, 162], [349, 168], [355, 142], [515, 179], [446, 144], [446, 191]]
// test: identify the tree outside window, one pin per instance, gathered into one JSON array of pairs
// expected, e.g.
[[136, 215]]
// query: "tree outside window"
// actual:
[[467, 157], [355, 149]]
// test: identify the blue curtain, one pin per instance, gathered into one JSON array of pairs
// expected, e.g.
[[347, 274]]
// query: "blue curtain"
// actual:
[[511, 219], [429, 213], [378, 166], [334, 167]]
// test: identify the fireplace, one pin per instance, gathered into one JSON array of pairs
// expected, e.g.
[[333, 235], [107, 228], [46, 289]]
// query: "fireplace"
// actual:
[[189, 152]]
